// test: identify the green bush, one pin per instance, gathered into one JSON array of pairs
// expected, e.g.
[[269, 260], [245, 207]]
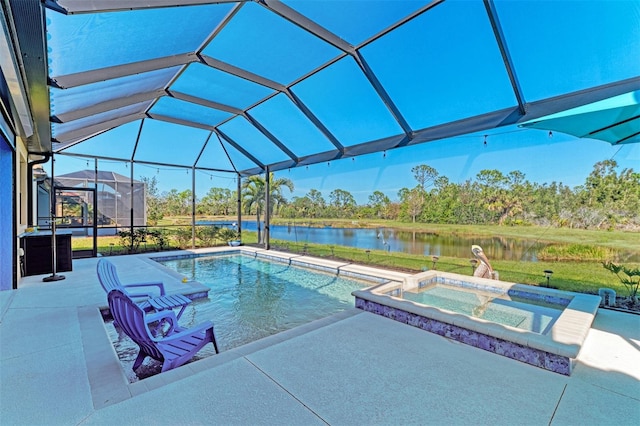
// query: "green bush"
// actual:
[[131, 240], [630, 278], [578, 252], [228, 234], [159, 238], [182, 236], [207, 235]]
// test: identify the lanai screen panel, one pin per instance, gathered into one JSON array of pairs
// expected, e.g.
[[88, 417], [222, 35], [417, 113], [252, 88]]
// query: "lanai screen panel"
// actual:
[[289, 125], [115, 194], [281, 84], [91, 99], [573, 55]]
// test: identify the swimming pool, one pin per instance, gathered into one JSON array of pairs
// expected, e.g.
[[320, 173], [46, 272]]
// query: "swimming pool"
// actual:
[[540, 326], [526, 314], [253, 297], [253, 294]]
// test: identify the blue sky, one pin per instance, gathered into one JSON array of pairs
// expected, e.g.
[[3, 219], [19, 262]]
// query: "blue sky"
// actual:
[[561, 158], [441, 67]]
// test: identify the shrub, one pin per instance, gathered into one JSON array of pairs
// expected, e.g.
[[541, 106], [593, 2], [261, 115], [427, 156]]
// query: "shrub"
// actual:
[[629, 277], [182, 235], [207, 235], [581, 252], [227, 234], [131, 240], [159, 237]]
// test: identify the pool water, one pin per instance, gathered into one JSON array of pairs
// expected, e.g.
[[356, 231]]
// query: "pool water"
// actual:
[[252, 298], [529, 315], [249, 299]]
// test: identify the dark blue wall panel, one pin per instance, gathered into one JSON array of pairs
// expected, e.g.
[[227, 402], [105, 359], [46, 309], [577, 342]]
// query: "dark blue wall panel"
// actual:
[[7, 237]]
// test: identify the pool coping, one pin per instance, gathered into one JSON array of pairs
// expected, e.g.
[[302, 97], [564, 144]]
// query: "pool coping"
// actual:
[[109, 383], [101, 356], [555, 350]]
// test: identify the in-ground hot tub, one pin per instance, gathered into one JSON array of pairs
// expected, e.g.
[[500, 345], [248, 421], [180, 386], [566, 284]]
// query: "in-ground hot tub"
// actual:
[[540, 326]]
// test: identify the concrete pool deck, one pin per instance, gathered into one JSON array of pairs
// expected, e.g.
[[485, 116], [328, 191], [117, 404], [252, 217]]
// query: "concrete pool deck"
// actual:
[[57, 366]]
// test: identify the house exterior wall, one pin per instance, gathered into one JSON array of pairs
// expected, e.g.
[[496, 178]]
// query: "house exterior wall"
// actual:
[[8, 242], [16, 127]]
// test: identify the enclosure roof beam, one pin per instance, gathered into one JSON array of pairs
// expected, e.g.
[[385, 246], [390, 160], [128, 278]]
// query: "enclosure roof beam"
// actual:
[[107, 106], [226, 152], [76, 7], [204, 146], [89, 131], [383, 95], [240, 72], [571, 100], [504, 51], [239, 147], [147, 163], [312, 117], [109, 73], [204, 102], [271, 137], [401, 22], [181, 121], [308, 25]]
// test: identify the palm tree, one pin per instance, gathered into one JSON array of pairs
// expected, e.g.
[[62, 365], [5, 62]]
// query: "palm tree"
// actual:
[[253, 195]]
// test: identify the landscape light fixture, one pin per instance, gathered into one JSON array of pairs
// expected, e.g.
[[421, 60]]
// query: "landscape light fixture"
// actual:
[[547, 274], [474, 265], [435, 260]]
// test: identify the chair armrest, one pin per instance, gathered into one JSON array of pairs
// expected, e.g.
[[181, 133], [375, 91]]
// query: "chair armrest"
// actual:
[[202, 327], [157, 284], [168, 316], [141, 296], [159, 316]]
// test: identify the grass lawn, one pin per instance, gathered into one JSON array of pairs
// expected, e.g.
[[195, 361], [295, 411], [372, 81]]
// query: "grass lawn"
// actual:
[[583, 277], [576, 263]]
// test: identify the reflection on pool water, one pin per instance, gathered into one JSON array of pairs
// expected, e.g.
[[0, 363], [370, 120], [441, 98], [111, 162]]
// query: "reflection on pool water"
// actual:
[[526, 314], [252, 298]]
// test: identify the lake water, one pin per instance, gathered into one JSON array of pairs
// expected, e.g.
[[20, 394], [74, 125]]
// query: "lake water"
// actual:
[[424, 243], [428, 244]]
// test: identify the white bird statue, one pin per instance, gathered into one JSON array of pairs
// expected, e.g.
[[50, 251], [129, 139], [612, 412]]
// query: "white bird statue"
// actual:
[[484, 269]]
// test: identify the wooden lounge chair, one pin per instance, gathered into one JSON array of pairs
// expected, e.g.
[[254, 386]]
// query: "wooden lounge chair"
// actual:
[[173, 349], [108, 277]]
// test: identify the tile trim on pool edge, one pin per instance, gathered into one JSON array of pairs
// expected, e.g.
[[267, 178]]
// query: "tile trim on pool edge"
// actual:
[[304, 261], [564, 340], [548, 361]]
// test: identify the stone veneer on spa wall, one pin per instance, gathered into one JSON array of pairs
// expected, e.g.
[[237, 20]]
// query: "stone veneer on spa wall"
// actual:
[[555, 350]]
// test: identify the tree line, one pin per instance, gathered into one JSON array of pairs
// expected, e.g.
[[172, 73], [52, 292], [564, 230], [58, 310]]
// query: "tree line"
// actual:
[[608, 199]]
